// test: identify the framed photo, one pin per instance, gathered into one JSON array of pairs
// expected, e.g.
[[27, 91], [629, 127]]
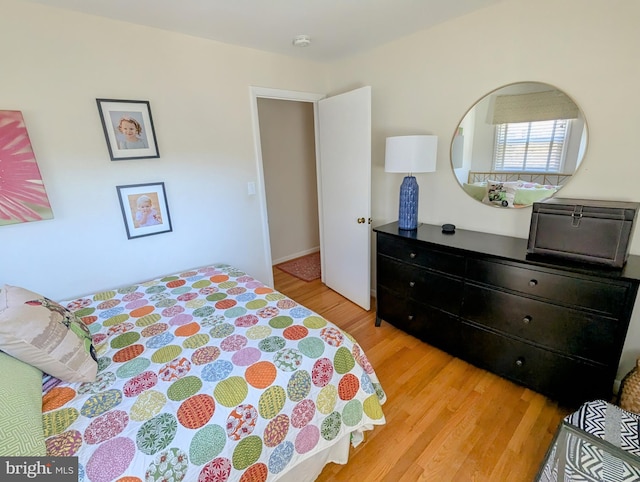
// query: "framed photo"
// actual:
[[144, 209], [128, 129]]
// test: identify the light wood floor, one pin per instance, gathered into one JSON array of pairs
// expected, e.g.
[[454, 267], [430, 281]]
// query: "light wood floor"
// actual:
[[446, 419]]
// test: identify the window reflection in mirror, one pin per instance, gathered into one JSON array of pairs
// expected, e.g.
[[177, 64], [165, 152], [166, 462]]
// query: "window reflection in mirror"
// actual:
[[519, 144]]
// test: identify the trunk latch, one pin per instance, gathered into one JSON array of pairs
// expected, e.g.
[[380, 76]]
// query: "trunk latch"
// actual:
[[576, 216]]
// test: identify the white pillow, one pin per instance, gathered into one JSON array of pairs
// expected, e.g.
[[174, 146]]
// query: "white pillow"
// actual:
[[46, 335]]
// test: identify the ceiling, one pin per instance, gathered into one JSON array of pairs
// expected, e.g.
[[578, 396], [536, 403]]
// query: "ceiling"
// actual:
[[337, 28]]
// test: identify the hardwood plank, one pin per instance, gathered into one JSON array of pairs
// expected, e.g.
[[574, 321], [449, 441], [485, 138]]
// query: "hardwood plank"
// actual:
[[446, 419]]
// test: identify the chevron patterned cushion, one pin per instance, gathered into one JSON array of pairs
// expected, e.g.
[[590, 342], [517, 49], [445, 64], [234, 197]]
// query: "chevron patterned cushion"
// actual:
[[21, 432], [586, 463], [609, 422]]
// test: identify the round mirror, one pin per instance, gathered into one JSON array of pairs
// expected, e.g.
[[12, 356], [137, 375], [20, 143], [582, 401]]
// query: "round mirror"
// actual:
[[519, 144]]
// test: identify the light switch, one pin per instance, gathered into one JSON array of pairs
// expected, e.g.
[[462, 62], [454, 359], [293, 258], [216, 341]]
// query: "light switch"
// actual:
[[251, 188]]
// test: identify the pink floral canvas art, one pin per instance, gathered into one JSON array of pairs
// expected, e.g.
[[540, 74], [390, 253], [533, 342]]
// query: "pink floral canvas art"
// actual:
[[22, 194]]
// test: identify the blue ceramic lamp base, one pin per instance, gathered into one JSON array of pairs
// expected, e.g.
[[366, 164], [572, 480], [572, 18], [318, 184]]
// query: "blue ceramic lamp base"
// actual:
[[408, 216]]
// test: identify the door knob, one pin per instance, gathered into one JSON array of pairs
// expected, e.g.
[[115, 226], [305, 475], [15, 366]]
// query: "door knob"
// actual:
[[361, 221]]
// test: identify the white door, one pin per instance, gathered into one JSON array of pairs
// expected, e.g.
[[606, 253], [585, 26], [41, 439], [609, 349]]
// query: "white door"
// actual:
[[344, 148]]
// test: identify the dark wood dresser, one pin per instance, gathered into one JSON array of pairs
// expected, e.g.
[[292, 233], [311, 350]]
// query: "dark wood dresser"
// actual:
[[555, 327]]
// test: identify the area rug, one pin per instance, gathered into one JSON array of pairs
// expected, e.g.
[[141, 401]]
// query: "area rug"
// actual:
[[306, 268]]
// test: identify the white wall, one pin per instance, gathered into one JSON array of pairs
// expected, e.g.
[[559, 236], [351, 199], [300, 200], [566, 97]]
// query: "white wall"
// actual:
[[426, 82], [53, 66]]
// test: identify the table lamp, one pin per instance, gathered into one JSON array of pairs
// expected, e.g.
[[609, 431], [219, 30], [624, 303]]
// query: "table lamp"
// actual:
[[410, 154]]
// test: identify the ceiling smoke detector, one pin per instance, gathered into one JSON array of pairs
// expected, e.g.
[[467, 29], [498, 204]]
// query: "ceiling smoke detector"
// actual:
[[302, 41]]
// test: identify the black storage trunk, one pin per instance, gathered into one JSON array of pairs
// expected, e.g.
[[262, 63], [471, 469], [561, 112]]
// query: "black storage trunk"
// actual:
[[583, 230]]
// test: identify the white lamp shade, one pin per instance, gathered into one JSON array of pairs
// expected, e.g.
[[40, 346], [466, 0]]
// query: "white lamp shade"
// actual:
[[410, 154]]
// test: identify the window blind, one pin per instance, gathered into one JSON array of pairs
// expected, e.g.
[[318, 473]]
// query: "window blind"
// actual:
[[535, 106], [531, 146]]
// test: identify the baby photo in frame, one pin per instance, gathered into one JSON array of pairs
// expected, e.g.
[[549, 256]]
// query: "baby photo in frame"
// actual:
[[144, 209], [128, 129]]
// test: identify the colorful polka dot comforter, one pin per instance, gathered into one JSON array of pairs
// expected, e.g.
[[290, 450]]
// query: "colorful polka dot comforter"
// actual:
[[208, 375]]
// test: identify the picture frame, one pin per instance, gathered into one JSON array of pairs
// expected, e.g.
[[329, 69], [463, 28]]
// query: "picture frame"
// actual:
[[144, 209], [23, 196], [128, 129]]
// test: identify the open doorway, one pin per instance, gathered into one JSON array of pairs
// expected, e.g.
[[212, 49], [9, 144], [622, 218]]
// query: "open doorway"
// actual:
[[343, 163], [287, 139]]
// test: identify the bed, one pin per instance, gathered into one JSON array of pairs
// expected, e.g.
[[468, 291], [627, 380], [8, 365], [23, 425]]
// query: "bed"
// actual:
[[513, 189], [205, 375]]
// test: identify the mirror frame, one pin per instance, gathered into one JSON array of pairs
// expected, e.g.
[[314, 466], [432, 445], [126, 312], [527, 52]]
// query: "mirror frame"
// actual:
[[484, 105]]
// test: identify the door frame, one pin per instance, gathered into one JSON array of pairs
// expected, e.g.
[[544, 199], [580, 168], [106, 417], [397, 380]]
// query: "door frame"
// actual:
[[291, 95]]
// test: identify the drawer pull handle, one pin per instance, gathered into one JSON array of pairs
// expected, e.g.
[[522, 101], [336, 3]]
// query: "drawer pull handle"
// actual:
[[526, 320], [520, 362], [533, 282], [410, 317], [412, 284], [412, 255]]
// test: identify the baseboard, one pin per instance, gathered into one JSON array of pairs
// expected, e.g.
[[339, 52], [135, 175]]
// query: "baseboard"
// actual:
[[294, 256]]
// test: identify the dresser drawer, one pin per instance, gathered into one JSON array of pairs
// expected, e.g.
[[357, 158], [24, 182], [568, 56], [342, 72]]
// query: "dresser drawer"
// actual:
[[420, 284], [419, 254], [556, 327], [424, 322], [607, 297], [554, 375]]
